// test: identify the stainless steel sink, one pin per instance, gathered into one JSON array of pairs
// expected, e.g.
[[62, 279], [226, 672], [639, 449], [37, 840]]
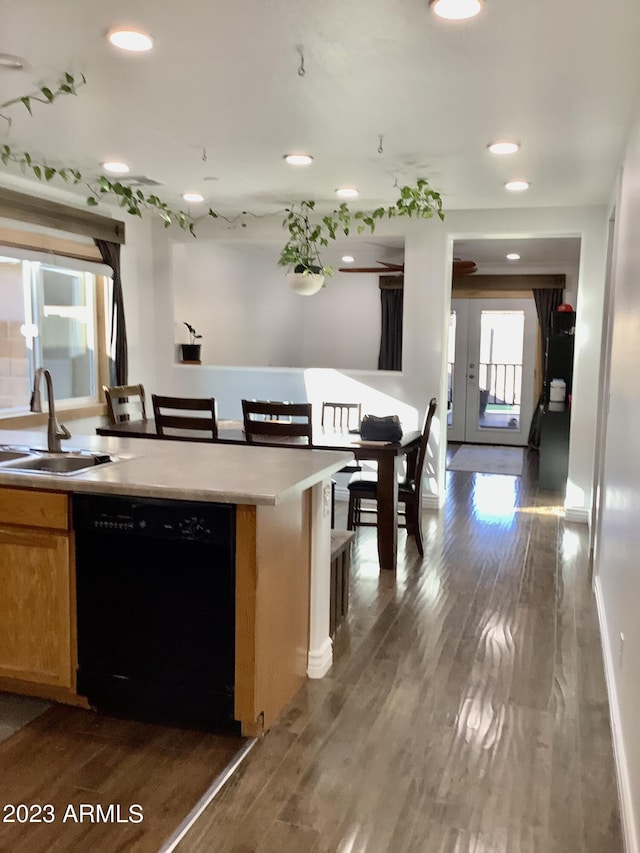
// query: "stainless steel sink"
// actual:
[[9, 455], [42, 462]]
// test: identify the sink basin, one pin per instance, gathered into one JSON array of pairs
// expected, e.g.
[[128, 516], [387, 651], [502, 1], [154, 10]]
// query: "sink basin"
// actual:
[[8, 455], [56, 463]]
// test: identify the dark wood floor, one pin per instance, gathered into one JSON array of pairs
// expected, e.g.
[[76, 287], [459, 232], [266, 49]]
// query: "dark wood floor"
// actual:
[[70, 757], [466, 710]]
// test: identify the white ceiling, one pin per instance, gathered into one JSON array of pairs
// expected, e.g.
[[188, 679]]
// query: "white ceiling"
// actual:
[[551, 254], [561, 76]]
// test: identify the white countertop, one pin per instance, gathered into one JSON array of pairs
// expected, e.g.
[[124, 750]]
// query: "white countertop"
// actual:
[[221, 473]]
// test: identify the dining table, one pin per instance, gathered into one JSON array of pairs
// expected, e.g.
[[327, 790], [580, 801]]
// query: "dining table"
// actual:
[[388, 456]]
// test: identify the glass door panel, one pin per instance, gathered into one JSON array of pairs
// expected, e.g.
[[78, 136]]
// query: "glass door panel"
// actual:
[[495, 340]]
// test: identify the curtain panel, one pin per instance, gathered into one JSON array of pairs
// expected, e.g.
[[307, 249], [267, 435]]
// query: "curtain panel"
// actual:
[[547, 302], [391, 302], [119, 365]]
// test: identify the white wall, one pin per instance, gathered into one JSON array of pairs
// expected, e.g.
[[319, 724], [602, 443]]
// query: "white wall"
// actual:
[[232, 293], [617, 569]]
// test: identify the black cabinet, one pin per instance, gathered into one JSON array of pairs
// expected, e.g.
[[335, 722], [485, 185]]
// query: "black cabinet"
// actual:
[[555, 418], [558, 357], [554, 449]]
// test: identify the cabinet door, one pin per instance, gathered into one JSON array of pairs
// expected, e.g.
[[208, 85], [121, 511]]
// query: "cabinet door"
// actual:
[[35, 611]]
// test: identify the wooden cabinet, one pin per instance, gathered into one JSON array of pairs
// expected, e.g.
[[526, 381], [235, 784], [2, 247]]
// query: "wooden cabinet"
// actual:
[[37, 614]]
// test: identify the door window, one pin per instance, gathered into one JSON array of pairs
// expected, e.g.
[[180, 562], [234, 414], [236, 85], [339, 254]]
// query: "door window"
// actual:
[[491, 356]]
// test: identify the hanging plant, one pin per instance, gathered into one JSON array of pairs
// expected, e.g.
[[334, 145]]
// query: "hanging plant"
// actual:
[[302, 251]]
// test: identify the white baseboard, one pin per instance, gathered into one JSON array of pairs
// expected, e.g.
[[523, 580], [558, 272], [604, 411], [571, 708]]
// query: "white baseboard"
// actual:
[[622, 771], [431, 501], [320, 660], [575, 513]]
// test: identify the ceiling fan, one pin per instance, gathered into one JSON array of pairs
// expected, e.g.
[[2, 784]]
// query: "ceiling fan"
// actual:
[[460, 267]]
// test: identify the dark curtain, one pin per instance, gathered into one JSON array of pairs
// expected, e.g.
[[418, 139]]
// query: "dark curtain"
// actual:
[[547, 301], [390, 357], [118, 368]]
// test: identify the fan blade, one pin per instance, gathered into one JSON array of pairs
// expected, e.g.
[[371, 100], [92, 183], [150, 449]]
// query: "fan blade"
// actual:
[[391, 266], [372, 269], [461, 267], [386, 268]]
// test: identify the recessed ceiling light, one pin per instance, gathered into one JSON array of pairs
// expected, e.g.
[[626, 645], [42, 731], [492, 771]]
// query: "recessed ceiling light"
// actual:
[[10, 62], [456, 10], [513, 256], [133, 40], [347, 192], [503, 147], [192, 197], [516, 186], [348, 259], [115, 167], [298, 159]]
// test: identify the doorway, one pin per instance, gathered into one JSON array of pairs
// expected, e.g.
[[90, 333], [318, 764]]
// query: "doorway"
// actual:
[[491, 366]]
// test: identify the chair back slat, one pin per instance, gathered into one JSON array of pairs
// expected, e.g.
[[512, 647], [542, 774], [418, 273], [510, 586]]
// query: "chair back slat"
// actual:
[[343, 416], [272, 419], [164, 409], [125, 403]]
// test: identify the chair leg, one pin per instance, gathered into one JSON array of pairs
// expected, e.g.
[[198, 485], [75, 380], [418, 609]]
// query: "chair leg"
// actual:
[[351, 512], [413, 512]]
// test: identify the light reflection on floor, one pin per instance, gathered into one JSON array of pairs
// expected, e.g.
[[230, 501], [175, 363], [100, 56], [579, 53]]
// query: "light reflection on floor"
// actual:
[[494, 498]]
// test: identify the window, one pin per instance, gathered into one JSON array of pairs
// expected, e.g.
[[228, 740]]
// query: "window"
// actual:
[[48, 318]]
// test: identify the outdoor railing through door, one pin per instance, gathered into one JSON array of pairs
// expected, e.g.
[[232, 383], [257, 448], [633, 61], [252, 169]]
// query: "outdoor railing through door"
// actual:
[[503, 381]]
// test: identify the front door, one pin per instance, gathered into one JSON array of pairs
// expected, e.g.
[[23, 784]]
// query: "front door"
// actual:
[[492, 346]]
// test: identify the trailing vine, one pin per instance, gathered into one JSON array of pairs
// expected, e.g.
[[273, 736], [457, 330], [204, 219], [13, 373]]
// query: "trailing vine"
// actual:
[[66, 86], [133, 200], [306, 237]]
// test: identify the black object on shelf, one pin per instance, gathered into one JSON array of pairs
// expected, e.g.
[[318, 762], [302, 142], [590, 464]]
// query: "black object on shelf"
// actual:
[[563, 322]]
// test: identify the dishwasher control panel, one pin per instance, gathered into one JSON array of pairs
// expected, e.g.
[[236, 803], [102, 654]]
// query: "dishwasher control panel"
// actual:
[[150, 518]]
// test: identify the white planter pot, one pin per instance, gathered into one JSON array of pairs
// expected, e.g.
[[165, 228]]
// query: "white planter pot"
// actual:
[[305, 283]]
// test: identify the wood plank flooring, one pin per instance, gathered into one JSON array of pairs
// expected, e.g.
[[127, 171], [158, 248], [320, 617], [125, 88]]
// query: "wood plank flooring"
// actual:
[[466, 711], [69, 756]]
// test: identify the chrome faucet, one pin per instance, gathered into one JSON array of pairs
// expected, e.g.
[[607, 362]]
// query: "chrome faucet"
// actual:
[[55, 431]]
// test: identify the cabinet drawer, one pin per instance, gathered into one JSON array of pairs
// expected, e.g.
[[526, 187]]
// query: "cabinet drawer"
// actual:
[[34, 509]]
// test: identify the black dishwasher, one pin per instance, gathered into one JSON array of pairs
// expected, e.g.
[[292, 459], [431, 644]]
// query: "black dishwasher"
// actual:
[[156, 608]]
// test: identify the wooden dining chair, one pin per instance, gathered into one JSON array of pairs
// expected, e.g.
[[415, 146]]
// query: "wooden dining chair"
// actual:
[[364, 487], [125, 403], [341, 416], [179, 413], [275, 421]]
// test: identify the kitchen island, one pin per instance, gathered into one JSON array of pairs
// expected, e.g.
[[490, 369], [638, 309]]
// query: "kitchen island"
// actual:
[[281, 506]]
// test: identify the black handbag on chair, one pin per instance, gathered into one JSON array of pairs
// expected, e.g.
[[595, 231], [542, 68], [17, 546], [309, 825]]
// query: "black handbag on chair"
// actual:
[[376, 428]]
